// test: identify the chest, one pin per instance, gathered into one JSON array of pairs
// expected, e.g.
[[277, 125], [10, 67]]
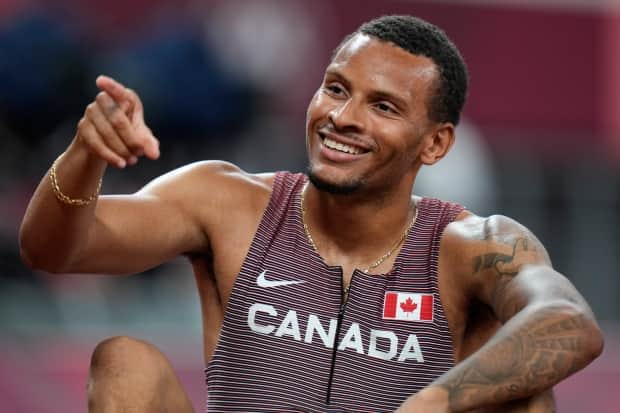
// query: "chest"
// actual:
[[287, 326]]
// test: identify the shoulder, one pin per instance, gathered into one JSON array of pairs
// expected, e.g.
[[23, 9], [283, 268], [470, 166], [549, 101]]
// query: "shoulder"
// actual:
[[213, 192], [472, 233], [475, 248], [210, 181]]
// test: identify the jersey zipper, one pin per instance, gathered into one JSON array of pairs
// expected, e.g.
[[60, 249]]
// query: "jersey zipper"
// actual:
[[343, 304]]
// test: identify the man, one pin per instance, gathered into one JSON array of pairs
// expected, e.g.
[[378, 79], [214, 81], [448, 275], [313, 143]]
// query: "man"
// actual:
[[341, 292]]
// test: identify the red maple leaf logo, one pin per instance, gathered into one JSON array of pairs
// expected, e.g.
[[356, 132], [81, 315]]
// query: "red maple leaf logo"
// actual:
[[408, 306]]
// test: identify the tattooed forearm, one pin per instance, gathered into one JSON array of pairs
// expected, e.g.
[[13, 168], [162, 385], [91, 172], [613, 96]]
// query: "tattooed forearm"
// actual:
[[548, 330], [528, 355]]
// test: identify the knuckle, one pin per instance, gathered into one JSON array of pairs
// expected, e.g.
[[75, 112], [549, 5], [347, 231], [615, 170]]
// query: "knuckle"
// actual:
[[116, 119], [117, 145], [87, 128], [101, 97], [106, 130], [88, 139], [133, 95], [122, 154], [129, 140], [123, 150], [135, 147], [133, 143]]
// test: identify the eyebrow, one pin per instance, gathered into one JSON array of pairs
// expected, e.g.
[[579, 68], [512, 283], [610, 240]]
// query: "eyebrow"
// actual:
[[399, 102], [375, 94], [337, 74]]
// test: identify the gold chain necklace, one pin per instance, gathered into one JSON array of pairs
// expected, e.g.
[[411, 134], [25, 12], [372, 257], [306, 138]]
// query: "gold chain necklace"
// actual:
[[374, 264]]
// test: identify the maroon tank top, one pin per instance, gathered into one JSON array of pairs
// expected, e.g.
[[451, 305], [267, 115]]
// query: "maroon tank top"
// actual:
[[289, 344]]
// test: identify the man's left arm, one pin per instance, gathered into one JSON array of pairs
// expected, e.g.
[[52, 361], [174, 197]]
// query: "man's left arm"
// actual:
[[548, 331]]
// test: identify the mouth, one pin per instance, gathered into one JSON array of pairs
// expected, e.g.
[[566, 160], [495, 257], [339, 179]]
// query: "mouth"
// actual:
[[341, 144]]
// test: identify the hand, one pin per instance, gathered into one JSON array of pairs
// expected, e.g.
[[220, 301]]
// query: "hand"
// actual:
[[113, 126], [432, 399]]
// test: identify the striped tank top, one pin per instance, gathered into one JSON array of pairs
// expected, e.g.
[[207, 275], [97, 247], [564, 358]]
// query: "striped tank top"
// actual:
[[289, 344]]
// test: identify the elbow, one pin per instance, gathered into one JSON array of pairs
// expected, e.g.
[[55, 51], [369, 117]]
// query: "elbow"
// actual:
[[592, 343], [39, 258], [590, 333], [26, 252], [31, 259], [36, 263], [577, 321], [595, 342], [26, 258]]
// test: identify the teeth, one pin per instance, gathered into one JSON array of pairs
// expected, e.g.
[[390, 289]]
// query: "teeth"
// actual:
[[341, 147]]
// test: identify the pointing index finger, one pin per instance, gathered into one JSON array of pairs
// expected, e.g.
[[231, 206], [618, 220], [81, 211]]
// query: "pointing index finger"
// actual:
[[118, 92]]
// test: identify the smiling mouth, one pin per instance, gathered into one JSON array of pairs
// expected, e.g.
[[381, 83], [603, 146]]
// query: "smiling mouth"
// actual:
[[341, 147]]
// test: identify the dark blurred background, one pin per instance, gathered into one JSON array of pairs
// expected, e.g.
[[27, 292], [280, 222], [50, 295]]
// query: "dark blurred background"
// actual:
[[231, 80]]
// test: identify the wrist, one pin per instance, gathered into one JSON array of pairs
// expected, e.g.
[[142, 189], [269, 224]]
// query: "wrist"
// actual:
[[75, 176], [80, 155]]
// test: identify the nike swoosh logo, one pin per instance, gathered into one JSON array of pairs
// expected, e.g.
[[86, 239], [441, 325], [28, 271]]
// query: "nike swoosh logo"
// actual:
[[263, 282]]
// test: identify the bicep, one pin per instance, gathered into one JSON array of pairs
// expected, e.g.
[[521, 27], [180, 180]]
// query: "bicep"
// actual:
[[132, 233], [166, 218], [177, 213]]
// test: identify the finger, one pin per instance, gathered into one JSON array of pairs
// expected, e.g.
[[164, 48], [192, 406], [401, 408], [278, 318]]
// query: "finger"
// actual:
[[118, 120], [127, 108], [88, 133], [116, 90], [151, 145], [138, 108], [95, 114]]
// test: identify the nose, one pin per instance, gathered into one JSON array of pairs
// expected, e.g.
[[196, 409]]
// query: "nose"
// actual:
[[346, 117]]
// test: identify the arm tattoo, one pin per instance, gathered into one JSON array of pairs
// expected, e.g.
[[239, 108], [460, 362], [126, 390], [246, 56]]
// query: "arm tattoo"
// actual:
[[504, 267], [538, 345], [514, 366], [503, 264]]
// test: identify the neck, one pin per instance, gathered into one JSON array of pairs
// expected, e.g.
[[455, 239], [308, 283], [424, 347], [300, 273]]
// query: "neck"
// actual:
[[356, 227]]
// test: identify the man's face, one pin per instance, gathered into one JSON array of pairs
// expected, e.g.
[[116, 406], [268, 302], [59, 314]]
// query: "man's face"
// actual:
[[366, 121]]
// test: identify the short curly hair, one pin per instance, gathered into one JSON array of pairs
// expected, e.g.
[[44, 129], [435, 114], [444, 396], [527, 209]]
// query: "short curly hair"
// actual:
[[422, 38]]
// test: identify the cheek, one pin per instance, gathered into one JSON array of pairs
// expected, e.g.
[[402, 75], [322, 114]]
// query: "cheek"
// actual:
[[317, 109], [312, 109], [400, 142], [313, 114], [400, 137]]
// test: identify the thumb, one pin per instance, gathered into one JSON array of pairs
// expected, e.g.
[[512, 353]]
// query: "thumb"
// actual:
[[151, 147]]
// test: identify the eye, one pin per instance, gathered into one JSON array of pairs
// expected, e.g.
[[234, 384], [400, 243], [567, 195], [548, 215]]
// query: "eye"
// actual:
[[385, 107], [334, 89]]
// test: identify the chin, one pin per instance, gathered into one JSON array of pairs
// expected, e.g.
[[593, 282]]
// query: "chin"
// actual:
[[335, 188]]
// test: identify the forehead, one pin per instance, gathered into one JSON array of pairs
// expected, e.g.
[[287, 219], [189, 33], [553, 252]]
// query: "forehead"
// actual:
[[384, 65]]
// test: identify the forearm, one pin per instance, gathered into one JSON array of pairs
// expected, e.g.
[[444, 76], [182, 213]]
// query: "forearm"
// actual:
[[533, 351], [52, 232]]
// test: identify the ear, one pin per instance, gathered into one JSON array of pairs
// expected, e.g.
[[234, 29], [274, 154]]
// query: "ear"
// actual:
[[437, 144]]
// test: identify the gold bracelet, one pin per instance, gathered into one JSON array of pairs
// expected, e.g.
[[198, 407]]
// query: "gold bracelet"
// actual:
[[64, 198]]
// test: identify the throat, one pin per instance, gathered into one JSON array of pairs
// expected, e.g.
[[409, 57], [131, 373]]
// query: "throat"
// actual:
[[341, 240]]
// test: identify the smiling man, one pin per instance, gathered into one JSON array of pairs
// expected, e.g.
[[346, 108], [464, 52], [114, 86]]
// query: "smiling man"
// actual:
[[332, 292]]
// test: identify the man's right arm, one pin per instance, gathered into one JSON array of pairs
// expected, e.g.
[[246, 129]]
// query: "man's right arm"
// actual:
[[124, 233]]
